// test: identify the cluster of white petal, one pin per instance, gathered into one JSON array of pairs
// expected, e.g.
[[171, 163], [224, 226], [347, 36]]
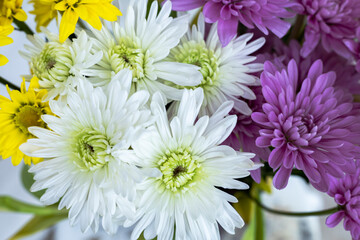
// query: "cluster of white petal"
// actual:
[[114, 155]]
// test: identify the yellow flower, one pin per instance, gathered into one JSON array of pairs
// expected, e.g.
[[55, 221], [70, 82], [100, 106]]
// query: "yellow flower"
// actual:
[[10, 9], [44, 12], [24, 109], [5, 40], [71, 10]]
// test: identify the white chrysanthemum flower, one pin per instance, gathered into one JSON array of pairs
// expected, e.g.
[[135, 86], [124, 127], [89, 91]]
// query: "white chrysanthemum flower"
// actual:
[[225, 70], [59, 65], [86, 151], [141, 44], [192, 165]]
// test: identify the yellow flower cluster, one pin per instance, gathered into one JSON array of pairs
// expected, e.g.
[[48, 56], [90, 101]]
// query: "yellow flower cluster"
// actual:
[[72, 10], [24, 109], [9, 10]]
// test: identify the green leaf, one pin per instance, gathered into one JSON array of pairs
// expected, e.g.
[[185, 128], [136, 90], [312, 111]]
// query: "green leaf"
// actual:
[[28, 180], [39, 223], [9, 204]]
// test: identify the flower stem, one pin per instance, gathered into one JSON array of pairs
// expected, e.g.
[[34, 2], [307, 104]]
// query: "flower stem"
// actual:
[[11, 85], [22, 26], [298, 28], [9, 204], [295, 214]]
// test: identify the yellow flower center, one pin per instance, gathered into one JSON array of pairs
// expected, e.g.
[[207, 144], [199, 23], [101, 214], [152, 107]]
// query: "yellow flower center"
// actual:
[[52, 63], [72, 4], [179, 168], [123, 56], [92, 150], [28, 116], [198, 54]]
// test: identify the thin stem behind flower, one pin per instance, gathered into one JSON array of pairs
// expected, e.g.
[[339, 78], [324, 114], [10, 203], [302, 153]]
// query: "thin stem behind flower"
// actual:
[[22, 26], [10, 84], [295, 214]]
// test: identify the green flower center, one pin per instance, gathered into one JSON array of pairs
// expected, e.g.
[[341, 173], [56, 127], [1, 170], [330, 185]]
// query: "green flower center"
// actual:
[[28, 116], [92, 150], [127, 54], [198, 54], [53, 63], [179, 168]]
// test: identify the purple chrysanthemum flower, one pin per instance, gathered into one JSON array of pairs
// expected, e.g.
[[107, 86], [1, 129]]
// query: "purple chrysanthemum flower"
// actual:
[[331, 22], [310, 125], [262, 14], [346, 193], [246, 131]]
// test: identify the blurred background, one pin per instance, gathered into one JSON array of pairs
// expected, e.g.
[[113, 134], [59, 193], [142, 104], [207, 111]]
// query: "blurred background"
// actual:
[[298, 196]]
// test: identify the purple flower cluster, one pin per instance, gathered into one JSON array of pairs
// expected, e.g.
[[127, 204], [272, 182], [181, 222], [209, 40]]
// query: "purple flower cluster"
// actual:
[[346, 193], [311, 125], [331, 22], [252, 13]]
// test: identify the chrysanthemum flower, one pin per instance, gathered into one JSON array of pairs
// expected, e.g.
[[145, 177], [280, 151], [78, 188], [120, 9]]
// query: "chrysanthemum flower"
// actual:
[[252, 13], [346, 193], [86, 151], [5, 40], [72, 10], [44, 12], [59, 65], [246, 131], [184, 198], [330, 22], [24, 109], [226, 71], [10, 9], [141, 44], [310, 125]]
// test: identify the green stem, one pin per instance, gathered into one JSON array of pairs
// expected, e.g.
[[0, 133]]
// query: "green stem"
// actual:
[[295, 214], [22, 26], [10, 204], [298, 28], [11, 85]]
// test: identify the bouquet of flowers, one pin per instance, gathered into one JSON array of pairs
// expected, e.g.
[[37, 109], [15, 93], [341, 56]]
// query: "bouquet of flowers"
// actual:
[[171, 117]]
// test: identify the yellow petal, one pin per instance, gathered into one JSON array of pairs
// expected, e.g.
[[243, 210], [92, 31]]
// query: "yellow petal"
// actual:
[[23, 86], [5, 41], [34, 83], [20, 15], [67, 24], [92, 18], [3, 60], [82, 11], [106, 11], [61, 6], [6, 30]]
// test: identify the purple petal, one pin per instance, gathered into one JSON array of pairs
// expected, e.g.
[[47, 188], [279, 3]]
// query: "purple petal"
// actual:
[[186, 5], [334, 219], [227, 30], [281, 178]]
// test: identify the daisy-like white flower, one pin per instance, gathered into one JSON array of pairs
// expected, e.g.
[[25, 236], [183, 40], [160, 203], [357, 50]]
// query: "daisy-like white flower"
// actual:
[[141, 44], [192, 165], [225, 70], [83, 153], [59, 65]]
